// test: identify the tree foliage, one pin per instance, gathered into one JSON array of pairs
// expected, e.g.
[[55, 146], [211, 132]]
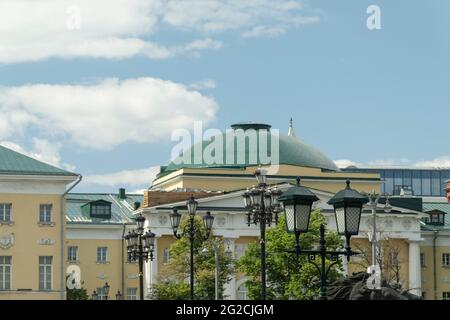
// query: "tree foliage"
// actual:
[[288, 277], [174, 277], [77, 294]]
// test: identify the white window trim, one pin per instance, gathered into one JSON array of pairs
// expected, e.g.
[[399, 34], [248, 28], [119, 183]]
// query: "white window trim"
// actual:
[[51, 275], [2, 209], [106, 256], [10, 276], [135, 295], [51, 222]]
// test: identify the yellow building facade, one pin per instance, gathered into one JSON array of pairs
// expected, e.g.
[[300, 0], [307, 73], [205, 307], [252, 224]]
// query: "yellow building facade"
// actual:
[[32, 227]]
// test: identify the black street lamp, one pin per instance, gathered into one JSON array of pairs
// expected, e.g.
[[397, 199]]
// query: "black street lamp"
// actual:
[[140, 248], [263, 208], [119, 295], [190, 231], [347, 203], [106, 290], [94, 295]]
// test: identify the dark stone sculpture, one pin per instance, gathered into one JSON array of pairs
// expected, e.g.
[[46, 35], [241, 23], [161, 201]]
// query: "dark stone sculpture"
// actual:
[[355, 288]]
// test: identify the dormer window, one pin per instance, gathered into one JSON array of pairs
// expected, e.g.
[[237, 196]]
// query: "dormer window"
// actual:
[[98, 209], [436, 217]]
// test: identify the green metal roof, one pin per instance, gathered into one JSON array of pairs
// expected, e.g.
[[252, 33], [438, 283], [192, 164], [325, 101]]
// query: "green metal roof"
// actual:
[[441, 206], [292, 151], [121, 209], [15, 163]]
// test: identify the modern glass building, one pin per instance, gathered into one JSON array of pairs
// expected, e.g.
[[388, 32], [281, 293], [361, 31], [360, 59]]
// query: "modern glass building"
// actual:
[[418, 182]]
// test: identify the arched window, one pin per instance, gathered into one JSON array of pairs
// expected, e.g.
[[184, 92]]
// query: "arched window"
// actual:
[[242, 292]]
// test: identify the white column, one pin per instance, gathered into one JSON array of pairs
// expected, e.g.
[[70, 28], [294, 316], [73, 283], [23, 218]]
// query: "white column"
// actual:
[[415, 281], [230, 287]]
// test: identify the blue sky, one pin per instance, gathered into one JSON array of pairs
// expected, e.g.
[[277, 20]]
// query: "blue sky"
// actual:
[[366, 96]]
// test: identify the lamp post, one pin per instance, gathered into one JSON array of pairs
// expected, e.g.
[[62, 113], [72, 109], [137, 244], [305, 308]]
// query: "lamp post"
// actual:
[[191, 231], [263, 208], [216, 247], [119, 295], [140, 248], [347, 203], [94, 295], [373, 204], [106, 290]]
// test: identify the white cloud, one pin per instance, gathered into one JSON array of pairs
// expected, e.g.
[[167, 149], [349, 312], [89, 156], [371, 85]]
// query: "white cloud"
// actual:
[[37, 30], [203, 85], [42, 150], [344, 163], [137, 177], [440, 162], [104, 114], [264, 31]]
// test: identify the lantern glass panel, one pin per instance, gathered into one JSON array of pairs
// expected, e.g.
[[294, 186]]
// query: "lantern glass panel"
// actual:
[[302, 213], [208, 221], [140, 220], [353, 215], [267, 200], [247, 202], [340, 220], [290, 217], [175, 218], [192, 206], [256, 197]]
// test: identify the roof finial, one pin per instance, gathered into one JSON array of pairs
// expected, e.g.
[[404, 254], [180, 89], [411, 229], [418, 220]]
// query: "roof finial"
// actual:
[[291, 132]]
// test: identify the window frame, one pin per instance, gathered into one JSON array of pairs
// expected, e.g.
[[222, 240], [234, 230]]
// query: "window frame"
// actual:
[[47, 266], [446, 260], [4, 265], [47, 215], [99, 254], [69, 253], [3, 212], [135, 294]]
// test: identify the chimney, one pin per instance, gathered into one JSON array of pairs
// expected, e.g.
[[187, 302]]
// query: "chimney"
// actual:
[[448, 190], [122, 194]]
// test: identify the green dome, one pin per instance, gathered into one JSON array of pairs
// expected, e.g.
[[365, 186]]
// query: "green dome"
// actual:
[[292, 151]]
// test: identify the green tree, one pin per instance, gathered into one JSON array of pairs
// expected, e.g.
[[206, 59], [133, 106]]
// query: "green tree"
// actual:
[[288, 277], [174, 278], [76, 294]]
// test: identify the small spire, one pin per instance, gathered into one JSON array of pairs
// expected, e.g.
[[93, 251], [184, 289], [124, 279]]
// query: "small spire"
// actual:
[[291, 132]]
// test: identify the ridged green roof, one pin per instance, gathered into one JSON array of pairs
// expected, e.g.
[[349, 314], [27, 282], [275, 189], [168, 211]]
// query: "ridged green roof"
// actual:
[[12, 162], [292, 151], [121, 209]]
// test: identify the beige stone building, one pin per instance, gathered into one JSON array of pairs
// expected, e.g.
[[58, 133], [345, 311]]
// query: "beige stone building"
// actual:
[[219, 189], [96, 224], [32, 227]]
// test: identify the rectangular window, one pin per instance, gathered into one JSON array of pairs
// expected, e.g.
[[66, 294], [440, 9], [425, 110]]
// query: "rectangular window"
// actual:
[[422, 260], [102, 254], [5, 212], [446, 259], [72, 253], [45, 213], [5, 272], [389, 182], [132, 293], [417, 183], [101, 293], [45, 272], [445, 295], [436, 183], [426, 183]]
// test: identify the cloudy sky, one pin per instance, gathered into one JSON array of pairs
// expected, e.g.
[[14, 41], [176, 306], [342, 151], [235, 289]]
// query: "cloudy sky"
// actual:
[[98, 86]]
